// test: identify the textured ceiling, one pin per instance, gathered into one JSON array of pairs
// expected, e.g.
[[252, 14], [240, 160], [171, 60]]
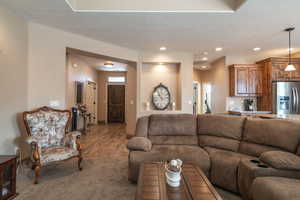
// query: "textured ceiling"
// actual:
[[256, 23]]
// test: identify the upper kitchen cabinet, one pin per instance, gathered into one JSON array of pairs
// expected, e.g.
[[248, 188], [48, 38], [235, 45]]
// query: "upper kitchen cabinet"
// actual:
[[245, 80], [275, 69]]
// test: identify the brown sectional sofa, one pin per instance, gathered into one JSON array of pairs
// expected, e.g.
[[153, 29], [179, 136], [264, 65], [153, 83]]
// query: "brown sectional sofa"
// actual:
[[237, 154]]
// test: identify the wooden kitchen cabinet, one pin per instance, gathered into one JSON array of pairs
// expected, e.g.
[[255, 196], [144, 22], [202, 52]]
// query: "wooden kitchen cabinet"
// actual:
[[245, 80], [273, 70]]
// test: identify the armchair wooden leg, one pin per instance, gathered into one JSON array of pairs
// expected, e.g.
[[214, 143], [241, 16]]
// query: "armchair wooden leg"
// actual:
[[37, 171], [79, 162], [79, 151]]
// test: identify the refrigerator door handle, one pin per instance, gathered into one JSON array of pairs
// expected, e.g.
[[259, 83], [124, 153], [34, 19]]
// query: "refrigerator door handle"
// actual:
[[297, 100], [293, 100]]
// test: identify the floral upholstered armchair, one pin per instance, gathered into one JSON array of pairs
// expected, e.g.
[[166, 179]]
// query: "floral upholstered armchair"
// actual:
[[49, 139]]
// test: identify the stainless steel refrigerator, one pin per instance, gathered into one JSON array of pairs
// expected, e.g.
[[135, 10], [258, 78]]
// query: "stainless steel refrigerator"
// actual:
[[286, 97]]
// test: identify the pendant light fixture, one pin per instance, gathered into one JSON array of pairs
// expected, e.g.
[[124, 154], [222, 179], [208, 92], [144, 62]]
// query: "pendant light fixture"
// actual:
[[290, 66]]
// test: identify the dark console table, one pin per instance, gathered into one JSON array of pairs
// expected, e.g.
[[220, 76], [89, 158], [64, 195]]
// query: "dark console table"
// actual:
[[8, 169]]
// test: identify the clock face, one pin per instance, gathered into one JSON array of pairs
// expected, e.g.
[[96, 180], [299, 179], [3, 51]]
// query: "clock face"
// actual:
[[161, 97]]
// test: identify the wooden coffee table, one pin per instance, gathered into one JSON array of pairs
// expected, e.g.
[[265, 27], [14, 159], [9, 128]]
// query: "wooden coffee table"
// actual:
[[194, 184]]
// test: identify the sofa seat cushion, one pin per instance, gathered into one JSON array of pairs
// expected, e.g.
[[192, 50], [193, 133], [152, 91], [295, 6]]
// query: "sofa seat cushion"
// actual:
[[139, 144], [189, 154], [276, 188], [56, 153], [224, 168]]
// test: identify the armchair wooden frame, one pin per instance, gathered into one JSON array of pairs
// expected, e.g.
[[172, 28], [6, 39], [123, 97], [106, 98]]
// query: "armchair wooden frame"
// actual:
[[36, 165]]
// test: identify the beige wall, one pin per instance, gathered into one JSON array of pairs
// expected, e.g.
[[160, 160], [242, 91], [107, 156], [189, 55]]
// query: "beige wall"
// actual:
[[131, 99], [83, 73], [154, 74], [185, 76], [13, 77], [47, 61], [197, 75], [218, 77]]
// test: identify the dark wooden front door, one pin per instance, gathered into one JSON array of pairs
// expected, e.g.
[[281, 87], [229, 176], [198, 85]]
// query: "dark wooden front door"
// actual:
[[116, 103]]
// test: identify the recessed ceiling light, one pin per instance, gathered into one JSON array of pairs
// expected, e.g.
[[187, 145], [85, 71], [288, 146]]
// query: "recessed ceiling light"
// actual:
[[108, 64], [203, 67], [219, 49], [75, 65], [204, 59], [163, 48], [257, 49]]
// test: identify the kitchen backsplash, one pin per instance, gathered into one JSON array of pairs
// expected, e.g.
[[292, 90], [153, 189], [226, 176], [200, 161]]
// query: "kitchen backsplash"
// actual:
[[237, 103]]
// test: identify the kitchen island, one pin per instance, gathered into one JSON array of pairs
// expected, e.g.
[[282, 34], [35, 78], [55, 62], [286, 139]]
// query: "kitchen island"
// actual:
[[248, 113], [265, 115]]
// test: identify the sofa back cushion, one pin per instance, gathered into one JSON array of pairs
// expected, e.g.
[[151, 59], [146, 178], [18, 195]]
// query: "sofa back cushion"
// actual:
[[261, 135], [173, 129], [220, 131]]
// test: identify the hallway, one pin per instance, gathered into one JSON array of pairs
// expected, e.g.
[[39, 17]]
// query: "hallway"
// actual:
[[105, 140]]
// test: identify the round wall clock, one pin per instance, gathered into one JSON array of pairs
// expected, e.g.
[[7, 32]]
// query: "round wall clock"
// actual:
[[161, 97]]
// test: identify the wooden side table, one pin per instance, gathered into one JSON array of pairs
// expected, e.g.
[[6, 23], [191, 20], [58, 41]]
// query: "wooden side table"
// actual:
[[8, 169]]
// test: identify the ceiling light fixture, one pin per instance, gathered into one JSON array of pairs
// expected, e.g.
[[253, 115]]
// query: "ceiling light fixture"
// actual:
[[109, 64], [75, 65], [219, 49], [163, 48], [203, 67], [257, 49], [290, 66], [204, 59]]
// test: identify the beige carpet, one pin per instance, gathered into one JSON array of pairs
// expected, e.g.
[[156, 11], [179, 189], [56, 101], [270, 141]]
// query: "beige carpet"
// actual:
[[104, 174]]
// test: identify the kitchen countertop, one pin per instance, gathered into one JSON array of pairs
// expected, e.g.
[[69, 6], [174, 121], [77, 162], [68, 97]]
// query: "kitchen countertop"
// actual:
[[279, 116], [265, 115], [237, 112]]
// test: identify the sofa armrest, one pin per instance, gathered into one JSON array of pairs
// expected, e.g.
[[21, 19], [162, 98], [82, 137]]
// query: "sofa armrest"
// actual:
[[139, 144], [281, 160]]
